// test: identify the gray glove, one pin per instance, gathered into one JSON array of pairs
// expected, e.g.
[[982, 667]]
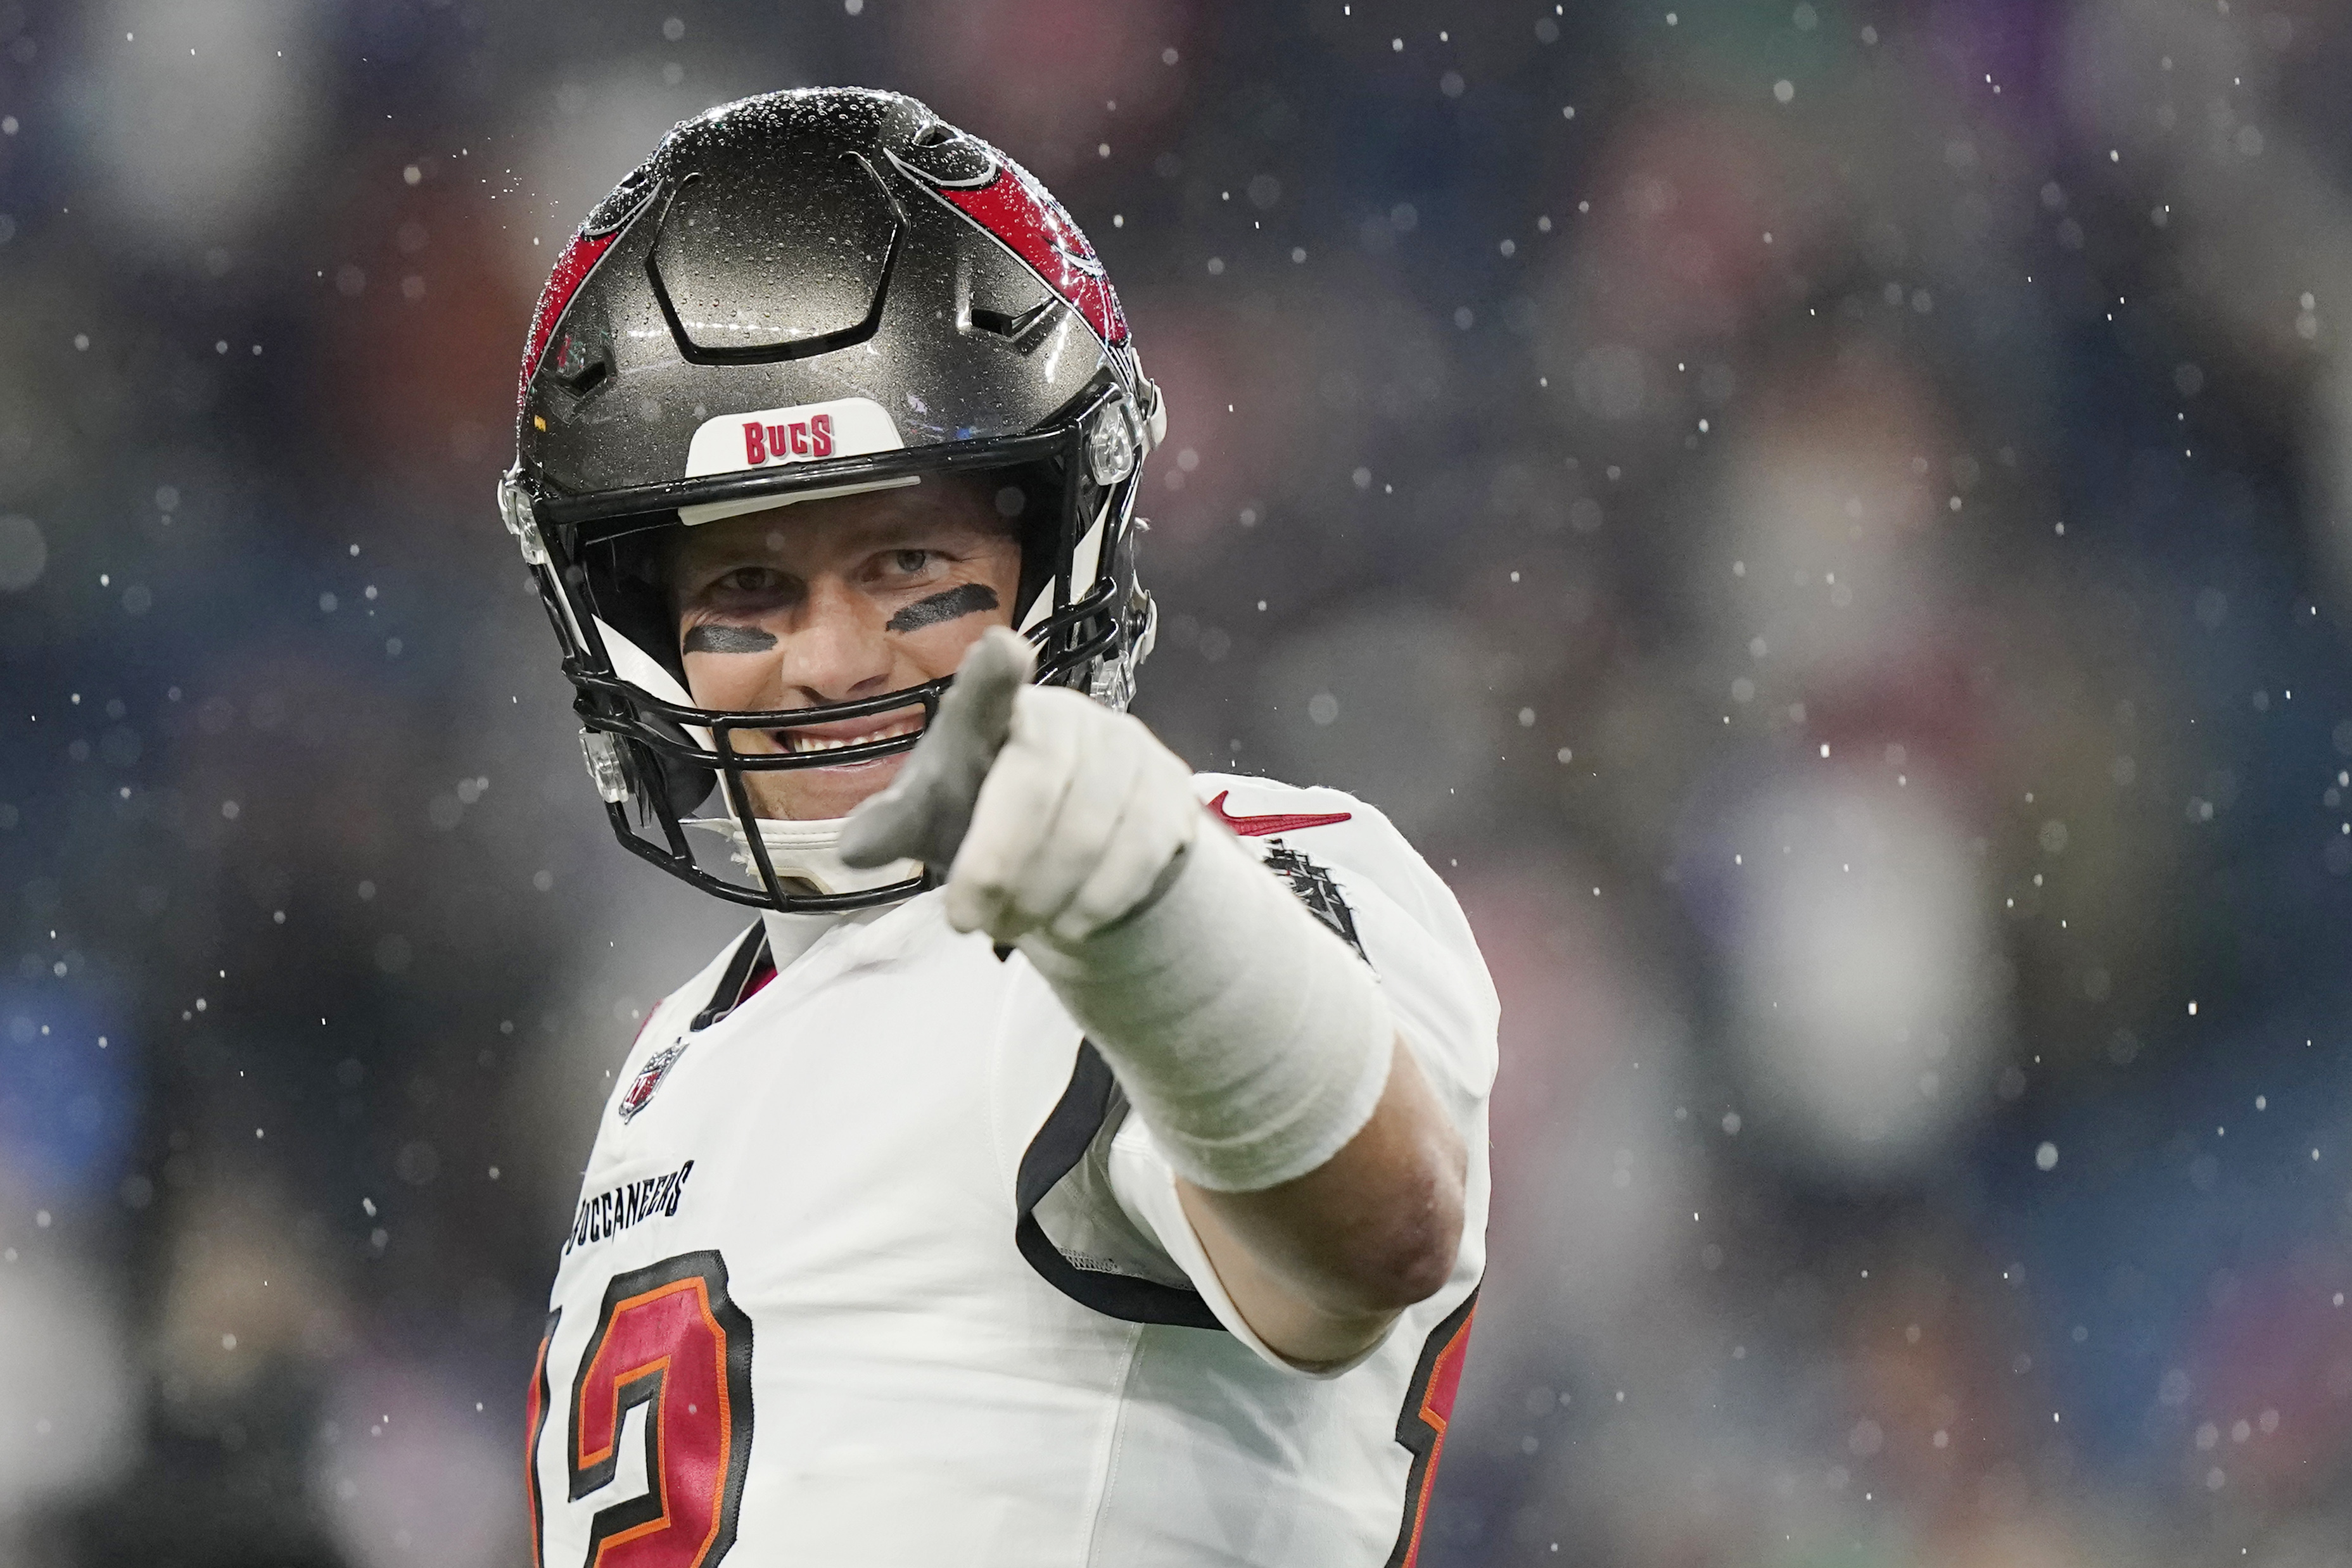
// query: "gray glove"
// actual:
[[925, 812], [1043, 811]]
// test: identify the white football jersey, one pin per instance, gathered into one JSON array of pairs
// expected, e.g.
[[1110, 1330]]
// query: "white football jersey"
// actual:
[[872, 1269]]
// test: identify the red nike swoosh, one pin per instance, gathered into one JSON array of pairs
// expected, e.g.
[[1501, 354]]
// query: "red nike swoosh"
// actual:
[[1280, 822]]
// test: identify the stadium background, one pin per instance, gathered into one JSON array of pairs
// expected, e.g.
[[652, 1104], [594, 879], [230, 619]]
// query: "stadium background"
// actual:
[[1830, 523]]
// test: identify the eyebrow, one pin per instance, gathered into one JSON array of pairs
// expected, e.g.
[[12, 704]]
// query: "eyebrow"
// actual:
[[965, 599]]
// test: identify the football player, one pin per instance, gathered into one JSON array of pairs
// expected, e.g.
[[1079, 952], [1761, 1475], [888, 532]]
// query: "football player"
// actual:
[[1079, 1160]]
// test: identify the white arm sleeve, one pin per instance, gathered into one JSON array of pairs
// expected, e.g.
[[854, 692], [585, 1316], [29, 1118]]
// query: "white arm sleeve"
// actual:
[[1413, 934]]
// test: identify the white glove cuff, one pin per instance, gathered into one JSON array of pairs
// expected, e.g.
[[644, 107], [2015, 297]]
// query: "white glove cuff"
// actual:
[[1249, 1038]]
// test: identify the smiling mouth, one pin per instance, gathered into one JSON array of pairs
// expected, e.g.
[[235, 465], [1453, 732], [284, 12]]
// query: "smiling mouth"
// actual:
[[799, 742]]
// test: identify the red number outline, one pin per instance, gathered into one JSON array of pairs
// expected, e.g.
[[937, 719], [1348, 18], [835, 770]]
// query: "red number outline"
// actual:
[[702, 1277]]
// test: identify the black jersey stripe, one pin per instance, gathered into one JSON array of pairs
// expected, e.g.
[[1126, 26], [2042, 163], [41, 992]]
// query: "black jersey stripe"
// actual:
[[535, 1421], [1051, 1154], [751, 957], [1421, 1427]]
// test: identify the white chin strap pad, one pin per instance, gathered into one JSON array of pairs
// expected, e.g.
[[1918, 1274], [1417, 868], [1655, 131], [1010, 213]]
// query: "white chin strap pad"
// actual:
[[805, 851]]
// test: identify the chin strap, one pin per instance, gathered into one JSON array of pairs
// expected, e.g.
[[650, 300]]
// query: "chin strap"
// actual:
[[807, 851]]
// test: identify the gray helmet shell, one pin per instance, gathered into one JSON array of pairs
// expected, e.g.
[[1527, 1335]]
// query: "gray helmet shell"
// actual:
[[811, 292]]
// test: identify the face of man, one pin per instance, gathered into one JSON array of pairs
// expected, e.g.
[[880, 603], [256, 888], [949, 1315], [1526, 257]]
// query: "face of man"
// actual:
[[828, 602]]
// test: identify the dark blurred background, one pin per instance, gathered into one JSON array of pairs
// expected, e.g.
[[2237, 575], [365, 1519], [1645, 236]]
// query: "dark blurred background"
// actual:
[[1830, 523]]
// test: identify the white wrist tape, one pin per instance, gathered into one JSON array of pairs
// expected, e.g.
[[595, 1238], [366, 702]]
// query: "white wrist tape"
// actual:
[[1251, 1040]]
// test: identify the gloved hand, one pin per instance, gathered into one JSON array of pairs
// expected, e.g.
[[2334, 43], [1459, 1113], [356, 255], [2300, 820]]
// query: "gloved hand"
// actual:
[[1250, 1039], [1053, 814]]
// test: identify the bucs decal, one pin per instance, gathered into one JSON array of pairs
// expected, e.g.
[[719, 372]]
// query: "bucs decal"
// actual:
[[809, 438], [806, 432]]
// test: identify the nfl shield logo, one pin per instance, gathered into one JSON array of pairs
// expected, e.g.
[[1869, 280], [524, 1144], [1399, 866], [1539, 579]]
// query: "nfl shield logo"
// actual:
[[648, 1079]]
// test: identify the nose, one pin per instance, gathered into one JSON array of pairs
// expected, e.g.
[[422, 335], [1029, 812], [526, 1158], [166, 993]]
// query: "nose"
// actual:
[[836, 650]]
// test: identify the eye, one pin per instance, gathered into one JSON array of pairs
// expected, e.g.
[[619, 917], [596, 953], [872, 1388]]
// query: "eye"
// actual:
[[750, 580], [911, 560]]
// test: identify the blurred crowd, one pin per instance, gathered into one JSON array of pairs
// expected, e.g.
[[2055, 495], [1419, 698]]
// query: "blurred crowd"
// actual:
[[1829, 524]]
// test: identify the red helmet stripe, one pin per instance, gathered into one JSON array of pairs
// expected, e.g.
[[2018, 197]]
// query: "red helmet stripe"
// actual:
[[1022, 213], [572, 269]]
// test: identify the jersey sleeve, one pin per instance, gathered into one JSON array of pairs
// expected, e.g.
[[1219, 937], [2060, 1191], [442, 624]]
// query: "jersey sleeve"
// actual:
[[1351, 869]]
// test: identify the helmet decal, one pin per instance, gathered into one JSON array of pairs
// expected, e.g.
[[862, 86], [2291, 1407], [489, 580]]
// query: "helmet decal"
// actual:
[[577, 259], [844, 427], [776, 437], [580, 256], [1023, 214]]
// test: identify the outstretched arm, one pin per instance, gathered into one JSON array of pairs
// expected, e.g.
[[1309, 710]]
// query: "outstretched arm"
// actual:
[[1314, 1165], [1321, 1264]]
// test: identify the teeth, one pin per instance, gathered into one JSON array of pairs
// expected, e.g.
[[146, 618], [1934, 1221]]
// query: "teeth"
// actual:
[[798, 742]]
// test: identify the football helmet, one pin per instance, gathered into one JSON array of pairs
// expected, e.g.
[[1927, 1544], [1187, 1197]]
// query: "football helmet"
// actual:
[[802, 295]]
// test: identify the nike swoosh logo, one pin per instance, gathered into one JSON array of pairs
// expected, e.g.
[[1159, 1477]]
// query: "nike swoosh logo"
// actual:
[[1280, 822]]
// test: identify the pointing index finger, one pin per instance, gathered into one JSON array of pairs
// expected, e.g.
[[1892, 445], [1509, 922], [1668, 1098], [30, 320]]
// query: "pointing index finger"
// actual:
[[925, 811]]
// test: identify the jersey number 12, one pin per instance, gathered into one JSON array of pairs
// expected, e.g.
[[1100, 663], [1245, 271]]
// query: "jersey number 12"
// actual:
[[667, 1337]]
